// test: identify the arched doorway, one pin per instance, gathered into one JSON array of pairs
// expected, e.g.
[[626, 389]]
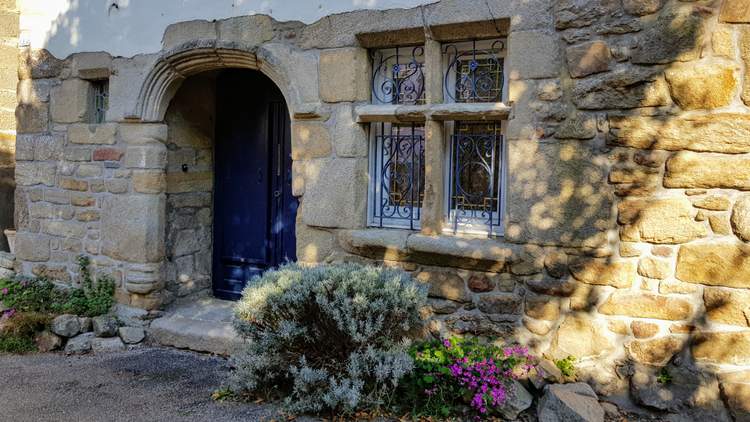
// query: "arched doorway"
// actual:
[[254, 210]]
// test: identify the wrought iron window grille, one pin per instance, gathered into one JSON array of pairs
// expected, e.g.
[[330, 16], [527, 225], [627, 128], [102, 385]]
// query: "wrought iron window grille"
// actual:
[[398, 176], [474, 71], [99, 100], [476, 158], [398, 78]]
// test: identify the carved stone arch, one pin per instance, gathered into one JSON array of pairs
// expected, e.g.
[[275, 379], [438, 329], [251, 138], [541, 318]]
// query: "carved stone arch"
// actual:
[[176, 65]]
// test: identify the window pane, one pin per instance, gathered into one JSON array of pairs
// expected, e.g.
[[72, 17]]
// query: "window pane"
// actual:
[[99, 100], [398, 173], [476, 163], [398, 76], [475, 71]]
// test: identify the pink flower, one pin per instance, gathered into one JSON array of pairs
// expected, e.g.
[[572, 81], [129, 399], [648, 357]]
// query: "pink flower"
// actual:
[[5, 291], [447, 343]]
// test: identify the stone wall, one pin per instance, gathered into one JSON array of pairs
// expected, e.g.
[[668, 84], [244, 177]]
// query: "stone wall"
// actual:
[[8, 101], [190, 141], [625, 243]]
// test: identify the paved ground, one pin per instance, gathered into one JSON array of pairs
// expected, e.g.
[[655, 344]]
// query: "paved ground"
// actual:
[[149, 384]]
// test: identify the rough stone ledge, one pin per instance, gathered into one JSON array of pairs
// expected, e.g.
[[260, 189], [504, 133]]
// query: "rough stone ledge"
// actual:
[[440, 112]]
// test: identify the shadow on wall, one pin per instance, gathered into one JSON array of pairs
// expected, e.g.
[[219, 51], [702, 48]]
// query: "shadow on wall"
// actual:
[[615, 136], [7, 190]]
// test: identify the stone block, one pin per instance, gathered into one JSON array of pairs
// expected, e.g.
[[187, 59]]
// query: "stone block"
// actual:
[[624, 87], [132, 227], [542, 307], [190, 182], [310, 140], [501, 303], [38, 64], [647, 305], [249, 30], [182, 32], [149, 181], [69, 101], [618, 274], [131, 335], [642, 329], [712, 203], [715, 264], [533, 55], [691, 170], [444, 285], [555, 195], [335, 193], [64, 229], [722, 132], [32, 247], [567, 340], [745, 54], [588, 58], [153, 156], [654, 268], [668, 220], [735, 11], [655, 352], [91, 65], [343, 75], [642, 7], [727, 306], [313, 245], [143, 133], [737, 396], [580, 126], [732, 348], [740, 218], [32, 118], [675, 35], [706, 84], [92, 134], [33, 92], [349, 137], [73, 184], [570, 402], [35, 173]]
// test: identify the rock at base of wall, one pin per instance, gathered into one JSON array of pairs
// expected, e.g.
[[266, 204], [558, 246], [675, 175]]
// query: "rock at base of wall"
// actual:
[[66, 325], [131, 335], [516, 402], [107, 345], [105, 326], [79, 345], [570, 402], [46, 341]]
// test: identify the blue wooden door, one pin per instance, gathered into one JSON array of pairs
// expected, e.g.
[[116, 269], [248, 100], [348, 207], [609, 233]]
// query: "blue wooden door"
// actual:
[[254, 210]]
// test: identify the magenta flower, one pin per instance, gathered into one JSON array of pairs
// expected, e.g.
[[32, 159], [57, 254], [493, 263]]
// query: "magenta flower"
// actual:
[[5, 291]]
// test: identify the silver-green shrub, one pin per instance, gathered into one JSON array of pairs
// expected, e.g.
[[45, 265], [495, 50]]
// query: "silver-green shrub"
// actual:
[[330, 337]]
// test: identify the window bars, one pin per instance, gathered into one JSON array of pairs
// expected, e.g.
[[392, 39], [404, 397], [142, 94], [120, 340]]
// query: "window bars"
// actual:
[[398, 182], [398, 78], [474, 71], [476, 170], [99, 100]]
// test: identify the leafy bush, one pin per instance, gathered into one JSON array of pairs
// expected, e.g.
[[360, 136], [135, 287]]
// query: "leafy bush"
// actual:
[[17, 331], [93, 298], [462, 376], [330, 337]]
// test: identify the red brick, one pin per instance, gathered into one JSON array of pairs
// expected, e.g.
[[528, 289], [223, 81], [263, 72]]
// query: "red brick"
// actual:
[[107, 154]]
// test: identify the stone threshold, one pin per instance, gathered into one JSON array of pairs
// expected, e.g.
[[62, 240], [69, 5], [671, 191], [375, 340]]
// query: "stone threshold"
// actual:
[[201, 325], [439, 112]]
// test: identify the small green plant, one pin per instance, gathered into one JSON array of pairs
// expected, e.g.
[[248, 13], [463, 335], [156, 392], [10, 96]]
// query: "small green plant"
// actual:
[[222, 394], [567, 366], [664, 377], [17, 331]]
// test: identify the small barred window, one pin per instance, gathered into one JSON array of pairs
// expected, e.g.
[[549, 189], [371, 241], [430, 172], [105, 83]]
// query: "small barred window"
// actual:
[[398, 76], [99, 100], [476, 166], [474, 71], [397, 169]]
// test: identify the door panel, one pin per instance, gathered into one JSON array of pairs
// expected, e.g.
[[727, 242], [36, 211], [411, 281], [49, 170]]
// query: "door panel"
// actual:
[[252, 204]]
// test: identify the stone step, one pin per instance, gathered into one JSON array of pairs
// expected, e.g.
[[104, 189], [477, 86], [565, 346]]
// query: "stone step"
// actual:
[[202, 325]]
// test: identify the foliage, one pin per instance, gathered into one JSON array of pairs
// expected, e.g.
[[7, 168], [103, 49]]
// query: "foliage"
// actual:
[[331, 337], [664, 376], [40, 295], [457, 376], [567, 366], [17, 331]]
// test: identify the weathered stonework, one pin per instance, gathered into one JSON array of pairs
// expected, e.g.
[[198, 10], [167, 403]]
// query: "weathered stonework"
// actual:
[[625, 231]]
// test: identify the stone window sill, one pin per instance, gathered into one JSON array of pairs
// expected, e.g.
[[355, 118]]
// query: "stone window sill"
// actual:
[[400, 244], [440, 112]]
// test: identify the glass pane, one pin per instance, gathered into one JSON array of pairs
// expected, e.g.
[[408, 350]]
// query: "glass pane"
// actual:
[[398, 76], [476, 154], [475, 72], [399, 176], [100, 100]]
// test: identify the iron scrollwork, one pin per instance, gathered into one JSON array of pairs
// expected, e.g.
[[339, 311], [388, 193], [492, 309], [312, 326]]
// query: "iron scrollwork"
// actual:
[[397, 78], [399, 186], [478, 73], [475, 192]]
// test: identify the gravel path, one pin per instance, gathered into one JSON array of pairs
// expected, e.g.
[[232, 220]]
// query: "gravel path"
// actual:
[[148, 384]]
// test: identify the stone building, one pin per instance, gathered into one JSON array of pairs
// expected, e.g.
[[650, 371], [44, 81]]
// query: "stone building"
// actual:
[[569, 174]]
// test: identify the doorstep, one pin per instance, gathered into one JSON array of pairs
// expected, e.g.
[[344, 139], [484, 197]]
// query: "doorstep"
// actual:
[[202, 325]]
